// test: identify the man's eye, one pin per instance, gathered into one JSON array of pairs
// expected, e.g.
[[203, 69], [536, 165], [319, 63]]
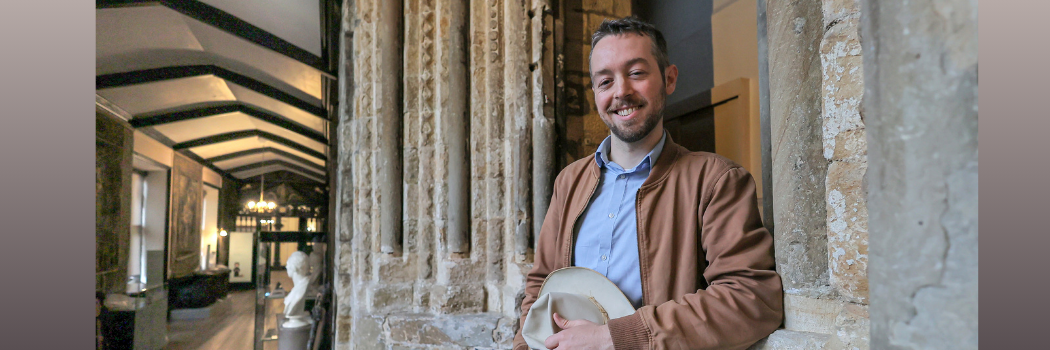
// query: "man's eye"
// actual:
[[603, 83], [637, 73]]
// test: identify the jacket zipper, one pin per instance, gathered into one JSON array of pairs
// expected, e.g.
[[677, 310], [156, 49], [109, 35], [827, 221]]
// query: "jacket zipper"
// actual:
[[638, 236], [572, 230]]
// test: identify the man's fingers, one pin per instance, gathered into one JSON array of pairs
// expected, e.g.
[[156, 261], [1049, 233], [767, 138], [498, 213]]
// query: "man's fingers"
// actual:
[[552, 341], [561, 322]]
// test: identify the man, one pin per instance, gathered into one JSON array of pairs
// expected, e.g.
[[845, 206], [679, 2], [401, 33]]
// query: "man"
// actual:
[[678, 232]]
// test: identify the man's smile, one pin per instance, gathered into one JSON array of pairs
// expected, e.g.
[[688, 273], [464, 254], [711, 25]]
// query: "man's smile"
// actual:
[[626, 112]]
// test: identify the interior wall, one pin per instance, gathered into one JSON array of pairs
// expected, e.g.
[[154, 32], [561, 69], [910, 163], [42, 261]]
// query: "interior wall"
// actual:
[[734, 42]]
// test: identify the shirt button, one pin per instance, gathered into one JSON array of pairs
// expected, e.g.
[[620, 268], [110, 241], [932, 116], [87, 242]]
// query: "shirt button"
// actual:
[[623, 176], [604, 257], [611, 215]]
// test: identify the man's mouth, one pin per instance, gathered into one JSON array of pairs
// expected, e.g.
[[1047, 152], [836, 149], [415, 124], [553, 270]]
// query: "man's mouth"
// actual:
[[626, 111]]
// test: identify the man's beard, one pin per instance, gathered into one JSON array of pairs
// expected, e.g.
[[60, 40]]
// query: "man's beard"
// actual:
[[648, 124]]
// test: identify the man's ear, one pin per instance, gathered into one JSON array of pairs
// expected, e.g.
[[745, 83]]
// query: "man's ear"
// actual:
[[670, 78]]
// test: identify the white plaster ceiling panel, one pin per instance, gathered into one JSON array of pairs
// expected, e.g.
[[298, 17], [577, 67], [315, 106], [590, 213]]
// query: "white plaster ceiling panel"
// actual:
[[297, 153], [144, 37], [123, 33], [293, 113], [296, 21], [274, 168], [227, 147], [259, 158], [288, 134], [221, 148], [187, 130], [284, 69], [156, 96]]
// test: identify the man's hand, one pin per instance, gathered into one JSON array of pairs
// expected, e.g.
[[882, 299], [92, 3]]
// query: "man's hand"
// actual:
[[579, 334]]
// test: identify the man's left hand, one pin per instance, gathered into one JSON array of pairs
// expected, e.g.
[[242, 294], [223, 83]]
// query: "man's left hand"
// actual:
[[579, 334]]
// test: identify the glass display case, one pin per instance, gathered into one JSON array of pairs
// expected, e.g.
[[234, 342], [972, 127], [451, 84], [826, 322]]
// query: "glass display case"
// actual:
[[273, 283]]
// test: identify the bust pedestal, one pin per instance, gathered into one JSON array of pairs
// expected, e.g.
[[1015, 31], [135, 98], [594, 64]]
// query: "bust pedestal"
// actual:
[[293, 338]]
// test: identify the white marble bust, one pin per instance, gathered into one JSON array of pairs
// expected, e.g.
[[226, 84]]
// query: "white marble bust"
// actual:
[[299, 270]]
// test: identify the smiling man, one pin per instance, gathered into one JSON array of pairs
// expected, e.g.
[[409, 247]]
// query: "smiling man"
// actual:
[[678, 232]]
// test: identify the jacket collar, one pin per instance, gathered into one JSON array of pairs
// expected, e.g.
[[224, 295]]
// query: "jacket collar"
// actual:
[[668, 156]]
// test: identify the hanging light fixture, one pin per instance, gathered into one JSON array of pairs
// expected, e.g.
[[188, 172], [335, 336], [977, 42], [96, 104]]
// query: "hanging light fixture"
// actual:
[[262, 206]]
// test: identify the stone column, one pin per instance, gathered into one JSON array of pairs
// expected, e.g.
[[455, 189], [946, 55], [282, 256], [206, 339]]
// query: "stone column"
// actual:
[[453, 109], [387, 103], [920, 73], [799, 168], [517, 106], [543, 136], [494, 179]]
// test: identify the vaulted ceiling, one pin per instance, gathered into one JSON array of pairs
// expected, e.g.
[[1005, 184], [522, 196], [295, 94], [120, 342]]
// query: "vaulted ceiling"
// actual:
[[244, 87]]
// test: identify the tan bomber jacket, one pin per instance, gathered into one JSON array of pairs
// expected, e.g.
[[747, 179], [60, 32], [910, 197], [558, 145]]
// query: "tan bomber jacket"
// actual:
[[707, 270]]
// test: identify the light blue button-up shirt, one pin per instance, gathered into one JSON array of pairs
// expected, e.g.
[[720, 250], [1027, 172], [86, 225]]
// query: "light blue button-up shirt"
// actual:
[[607, 234]]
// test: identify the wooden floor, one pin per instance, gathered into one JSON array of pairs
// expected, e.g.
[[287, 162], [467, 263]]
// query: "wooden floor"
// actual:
[[231, 326]]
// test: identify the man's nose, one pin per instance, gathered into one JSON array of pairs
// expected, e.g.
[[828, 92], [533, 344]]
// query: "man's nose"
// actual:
[[623, 90]]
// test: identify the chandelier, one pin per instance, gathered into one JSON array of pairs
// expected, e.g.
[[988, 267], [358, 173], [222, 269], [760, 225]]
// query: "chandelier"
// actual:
[[262, 206]]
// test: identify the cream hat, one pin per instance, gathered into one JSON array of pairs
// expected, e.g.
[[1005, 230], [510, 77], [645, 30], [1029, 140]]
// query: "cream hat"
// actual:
[[574, 293]]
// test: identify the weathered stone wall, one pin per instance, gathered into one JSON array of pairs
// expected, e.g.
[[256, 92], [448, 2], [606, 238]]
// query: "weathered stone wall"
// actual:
[[455, 117], [920, 103], [819, 156]]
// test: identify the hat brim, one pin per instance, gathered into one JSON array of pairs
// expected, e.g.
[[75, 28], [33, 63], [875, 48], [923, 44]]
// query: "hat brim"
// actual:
[[575, 293], [584, 281]]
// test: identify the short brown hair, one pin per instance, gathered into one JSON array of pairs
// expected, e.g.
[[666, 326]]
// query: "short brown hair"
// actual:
[[634, 25]]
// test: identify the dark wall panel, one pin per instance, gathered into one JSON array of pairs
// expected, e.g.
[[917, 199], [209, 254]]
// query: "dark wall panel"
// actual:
[[113, 155]]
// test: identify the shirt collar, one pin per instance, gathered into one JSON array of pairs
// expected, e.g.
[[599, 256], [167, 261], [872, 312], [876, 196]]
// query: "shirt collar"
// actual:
[[601, 156]]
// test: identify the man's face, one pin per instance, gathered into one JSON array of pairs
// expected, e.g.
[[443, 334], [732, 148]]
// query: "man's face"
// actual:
[[629, 90]]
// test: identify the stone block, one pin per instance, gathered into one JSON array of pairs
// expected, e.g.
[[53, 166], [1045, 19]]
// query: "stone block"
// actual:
[[391, 298], [395, 269], [475, 330], [345, 264], [843, 81], [783, 339], [851, 329], [367, 333], [810, 315], [850, 146], [458, 299], [414, 331], [343, 325], [848, 230], [837, 10]]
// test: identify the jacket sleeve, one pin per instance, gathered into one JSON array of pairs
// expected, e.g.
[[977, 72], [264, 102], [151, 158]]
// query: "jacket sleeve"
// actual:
[[744, 299], [545, 261]]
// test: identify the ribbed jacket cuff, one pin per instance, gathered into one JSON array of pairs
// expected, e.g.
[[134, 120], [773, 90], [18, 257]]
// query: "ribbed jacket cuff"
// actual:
[[629, 333]]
